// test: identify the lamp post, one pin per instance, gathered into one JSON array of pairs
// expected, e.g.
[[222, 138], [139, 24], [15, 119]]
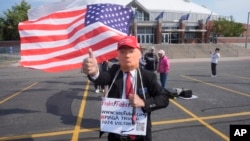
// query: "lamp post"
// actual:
[[247, 29]]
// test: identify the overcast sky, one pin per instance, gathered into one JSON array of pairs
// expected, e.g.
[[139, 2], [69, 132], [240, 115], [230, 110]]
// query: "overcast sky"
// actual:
[[237, 8]]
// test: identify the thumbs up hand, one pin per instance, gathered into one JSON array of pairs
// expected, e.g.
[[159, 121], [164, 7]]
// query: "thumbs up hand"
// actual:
[[89, 65]]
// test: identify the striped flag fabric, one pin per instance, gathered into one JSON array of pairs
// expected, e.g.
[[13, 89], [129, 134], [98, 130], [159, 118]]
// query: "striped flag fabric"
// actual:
[[60, 41]]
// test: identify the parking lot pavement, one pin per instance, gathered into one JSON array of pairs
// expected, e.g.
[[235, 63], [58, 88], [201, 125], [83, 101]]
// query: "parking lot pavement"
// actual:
[[39, 106]]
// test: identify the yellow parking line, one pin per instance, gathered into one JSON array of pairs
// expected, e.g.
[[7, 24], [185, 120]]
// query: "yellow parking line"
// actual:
[[80, 114], [38, 135], [226, 115], [236, 76], [201, 121], [17, 93], [204, 118], [77, 129], [49, 134], [213, 85], [85, 130], [173, 121]]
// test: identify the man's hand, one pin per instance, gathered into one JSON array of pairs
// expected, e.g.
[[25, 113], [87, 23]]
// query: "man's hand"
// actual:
[[136, 101], [89, 65]]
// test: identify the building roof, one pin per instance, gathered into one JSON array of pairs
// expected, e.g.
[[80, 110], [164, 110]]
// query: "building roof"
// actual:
[[182, 6], [174, 6]]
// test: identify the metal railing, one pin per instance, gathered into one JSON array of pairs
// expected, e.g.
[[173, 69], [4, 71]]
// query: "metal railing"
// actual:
[[9, 53]]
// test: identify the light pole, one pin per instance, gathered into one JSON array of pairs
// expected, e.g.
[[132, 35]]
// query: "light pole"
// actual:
[[247, 29], [135, 21]]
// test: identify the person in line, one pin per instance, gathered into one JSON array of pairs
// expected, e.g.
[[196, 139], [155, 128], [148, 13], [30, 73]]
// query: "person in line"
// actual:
[[214, 61], [151, 60], [99, 88], [142, 60], [105, 67], [154, 96], [163, 68]]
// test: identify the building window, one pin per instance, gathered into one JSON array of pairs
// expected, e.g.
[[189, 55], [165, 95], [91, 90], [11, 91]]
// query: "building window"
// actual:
[[145, 30], [139, 15], [191, 27], [142, 16], [174, 38], [145, 35], [145, 38], [191, 35]]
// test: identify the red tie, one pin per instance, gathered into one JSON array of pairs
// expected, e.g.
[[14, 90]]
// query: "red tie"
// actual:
[[129, 90], [129, 86]]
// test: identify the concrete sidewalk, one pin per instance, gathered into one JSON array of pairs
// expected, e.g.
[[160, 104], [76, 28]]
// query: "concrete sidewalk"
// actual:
[[16, 62], [208, 59]]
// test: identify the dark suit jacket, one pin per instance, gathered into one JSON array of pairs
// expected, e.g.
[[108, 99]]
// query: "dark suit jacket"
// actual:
[[156, 96]]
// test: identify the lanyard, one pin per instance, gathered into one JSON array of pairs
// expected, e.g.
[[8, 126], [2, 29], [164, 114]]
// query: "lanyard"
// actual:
[[116, 74]]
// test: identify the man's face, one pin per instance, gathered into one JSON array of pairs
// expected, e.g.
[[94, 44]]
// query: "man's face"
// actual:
[[129, 58]]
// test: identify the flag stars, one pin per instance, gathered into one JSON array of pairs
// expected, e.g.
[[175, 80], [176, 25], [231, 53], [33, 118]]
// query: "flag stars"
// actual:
[[112, 15]]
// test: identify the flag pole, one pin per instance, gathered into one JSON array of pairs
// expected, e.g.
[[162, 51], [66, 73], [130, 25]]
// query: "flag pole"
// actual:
[[247, 30]]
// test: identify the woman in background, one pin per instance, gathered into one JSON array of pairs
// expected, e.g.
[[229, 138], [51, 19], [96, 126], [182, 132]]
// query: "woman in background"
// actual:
[[163, 68]]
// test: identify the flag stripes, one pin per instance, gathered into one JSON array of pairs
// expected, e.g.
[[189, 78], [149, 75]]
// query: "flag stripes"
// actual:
[[60, 41]]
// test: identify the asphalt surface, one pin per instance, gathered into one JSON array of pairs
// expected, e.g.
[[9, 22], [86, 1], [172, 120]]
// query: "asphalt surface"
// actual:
[[39, 106]]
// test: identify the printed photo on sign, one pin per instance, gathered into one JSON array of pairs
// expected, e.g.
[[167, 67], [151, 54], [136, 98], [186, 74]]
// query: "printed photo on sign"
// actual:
[[116, 117]]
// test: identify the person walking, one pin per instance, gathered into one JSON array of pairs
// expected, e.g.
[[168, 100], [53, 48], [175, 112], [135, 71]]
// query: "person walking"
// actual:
[[146, 92], [214, 61], [163, 68], [151, 60]]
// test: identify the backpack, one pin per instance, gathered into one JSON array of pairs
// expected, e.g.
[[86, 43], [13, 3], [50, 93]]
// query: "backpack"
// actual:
[[186, 93]]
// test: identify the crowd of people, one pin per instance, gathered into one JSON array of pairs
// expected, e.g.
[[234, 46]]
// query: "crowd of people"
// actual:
[[150, 60], [133, 76]]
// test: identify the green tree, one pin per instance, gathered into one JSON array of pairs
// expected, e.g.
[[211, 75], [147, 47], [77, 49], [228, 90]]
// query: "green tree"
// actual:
[[228, 28], [1, 28], [12, 17]]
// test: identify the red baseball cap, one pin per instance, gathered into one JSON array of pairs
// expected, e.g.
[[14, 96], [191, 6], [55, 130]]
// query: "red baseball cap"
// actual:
[[129, 41]]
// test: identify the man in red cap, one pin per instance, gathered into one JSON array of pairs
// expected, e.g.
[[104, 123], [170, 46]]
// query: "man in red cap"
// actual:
[[147, 93]]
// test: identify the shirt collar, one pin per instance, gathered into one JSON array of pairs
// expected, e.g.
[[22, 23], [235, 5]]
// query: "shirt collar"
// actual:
[[133, 72]]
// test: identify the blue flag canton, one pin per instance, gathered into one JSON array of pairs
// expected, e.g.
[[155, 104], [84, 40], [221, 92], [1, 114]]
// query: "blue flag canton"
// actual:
[[112, 15]]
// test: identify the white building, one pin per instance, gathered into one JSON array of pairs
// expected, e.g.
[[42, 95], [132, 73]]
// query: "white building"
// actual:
[[170, 28]]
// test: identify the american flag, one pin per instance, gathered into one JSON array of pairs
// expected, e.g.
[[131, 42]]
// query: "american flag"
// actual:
[[184, 17], [60, 41], [208, 18], [160, 16]]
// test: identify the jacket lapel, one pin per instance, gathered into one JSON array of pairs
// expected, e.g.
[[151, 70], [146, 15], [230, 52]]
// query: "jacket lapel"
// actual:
[[120, 83], [138, 80]]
